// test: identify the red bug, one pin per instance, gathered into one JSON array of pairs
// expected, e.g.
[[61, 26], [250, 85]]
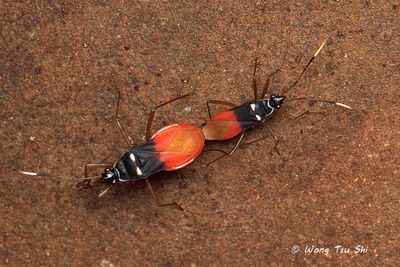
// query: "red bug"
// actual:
[[171, 148], [237, 120]]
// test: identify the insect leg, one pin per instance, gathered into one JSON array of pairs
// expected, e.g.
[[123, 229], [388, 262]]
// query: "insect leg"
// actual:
[[264, 92], [210, 162], [153, 112], [225, 154], [89, 166], [157, 201], [121, 129], [86, 184], [265, 136], [276, 140], [218, 102], [255, 79], [267, 82], [237, 144]]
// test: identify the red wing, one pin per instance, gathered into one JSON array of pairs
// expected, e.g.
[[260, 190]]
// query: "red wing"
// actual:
[[178, 145], [222, 126]]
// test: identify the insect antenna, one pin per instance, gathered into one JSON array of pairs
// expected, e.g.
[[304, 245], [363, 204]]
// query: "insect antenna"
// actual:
[[63, 177], [83, 182], [331, 102], [304, 70]]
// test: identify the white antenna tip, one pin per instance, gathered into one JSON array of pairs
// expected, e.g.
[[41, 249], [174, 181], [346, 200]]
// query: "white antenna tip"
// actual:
[[343, 105], [320, 48], [28, 173]]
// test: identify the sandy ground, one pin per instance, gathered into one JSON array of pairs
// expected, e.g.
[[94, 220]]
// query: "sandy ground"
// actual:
[[336, 183]]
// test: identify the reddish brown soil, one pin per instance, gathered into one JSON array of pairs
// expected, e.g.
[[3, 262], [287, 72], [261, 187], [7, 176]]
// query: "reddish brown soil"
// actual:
[[336, 183]]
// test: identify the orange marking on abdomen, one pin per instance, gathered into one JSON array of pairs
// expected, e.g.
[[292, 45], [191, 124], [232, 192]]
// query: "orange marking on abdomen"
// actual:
[[222, 126], [178, 145]]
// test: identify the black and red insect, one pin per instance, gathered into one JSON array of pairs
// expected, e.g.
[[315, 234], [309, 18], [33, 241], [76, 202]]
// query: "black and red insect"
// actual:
[[171, 148], [239, 119], [177, 145]]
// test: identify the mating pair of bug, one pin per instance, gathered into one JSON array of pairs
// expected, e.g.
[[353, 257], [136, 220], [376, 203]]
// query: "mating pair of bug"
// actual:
[[177, 145]]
